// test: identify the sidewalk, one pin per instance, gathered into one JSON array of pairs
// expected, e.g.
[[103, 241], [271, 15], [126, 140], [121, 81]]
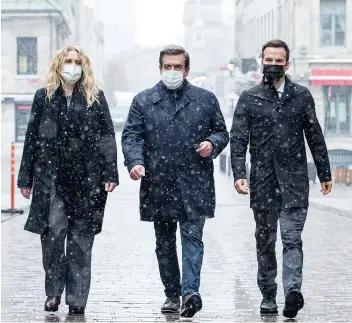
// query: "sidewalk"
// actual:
[[339, 201]]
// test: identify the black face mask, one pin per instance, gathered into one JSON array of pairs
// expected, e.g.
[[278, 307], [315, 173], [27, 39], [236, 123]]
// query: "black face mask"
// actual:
[[273, 72]]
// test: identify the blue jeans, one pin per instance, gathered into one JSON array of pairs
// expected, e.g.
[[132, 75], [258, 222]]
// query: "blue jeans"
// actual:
[[192, 255]]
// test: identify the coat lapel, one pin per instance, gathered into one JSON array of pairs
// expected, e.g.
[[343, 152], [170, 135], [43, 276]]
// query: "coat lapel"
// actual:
[[267, 91], [166, 99], [290, 91], [182, 104], [159, 96], [53, 108], [185, 98]]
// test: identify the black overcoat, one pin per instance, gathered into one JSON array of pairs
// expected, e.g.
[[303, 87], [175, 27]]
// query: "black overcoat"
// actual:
[[275, 128], [70, 152], [163, 130]]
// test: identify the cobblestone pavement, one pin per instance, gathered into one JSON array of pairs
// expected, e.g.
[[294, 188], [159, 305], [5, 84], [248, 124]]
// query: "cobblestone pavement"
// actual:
[[125, 280]]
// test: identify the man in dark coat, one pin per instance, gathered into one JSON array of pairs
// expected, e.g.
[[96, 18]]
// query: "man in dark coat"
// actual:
[[273, 116], [172, 133]]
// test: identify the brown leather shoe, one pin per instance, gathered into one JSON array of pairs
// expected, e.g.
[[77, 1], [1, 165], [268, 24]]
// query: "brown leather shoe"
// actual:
[[52, 303], [76, 310]]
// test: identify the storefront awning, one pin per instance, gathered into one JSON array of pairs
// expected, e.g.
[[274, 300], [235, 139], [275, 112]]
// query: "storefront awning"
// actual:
[[328, 77]]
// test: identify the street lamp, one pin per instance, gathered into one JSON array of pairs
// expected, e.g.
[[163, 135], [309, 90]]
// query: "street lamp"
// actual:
[[231, 67]]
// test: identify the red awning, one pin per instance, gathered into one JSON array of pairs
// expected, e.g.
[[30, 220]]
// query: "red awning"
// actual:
[[331, 77]]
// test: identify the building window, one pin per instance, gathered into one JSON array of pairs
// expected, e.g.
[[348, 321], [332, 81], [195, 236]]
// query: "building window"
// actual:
[[272, 24], [293, 30], [279, 19], [27, 56], [333, 22], [338, 110]]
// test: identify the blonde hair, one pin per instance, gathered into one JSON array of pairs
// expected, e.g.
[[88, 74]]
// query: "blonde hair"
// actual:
[[87, 82]]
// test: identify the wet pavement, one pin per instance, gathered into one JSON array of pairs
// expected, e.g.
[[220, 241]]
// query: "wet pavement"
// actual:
[[125, 280]]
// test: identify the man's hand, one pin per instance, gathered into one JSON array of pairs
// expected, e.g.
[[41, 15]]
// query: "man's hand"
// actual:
[[109, 187], [26, 192], [205, 148], [241, 186], [137, 172], [326, 187]]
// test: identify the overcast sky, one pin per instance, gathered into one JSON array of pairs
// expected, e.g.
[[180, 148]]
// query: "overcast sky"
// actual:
[[158, 21]]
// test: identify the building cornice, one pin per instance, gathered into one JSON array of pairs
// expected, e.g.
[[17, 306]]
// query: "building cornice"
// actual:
[[51, 8]]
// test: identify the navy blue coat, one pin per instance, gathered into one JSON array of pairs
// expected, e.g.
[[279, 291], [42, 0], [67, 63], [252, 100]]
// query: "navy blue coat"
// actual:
[[162, 132], [275, 128]]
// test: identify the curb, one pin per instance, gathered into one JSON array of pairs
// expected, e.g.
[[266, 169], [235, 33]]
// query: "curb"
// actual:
[[331, 209]]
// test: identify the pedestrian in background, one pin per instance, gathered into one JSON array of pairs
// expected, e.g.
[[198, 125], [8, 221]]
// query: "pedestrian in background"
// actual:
[[70, 161], [172, 133], [274, 116]]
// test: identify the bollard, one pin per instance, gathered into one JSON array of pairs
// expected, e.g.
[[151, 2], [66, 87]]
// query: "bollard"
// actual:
[[12, 210], [229, 166], [223, 159]]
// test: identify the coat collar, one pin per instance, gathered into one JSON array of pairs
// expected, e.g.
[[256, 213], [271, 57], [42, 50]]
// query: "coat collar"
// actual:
[[162, 95], [269, 92], [160, 91], [59, 94]]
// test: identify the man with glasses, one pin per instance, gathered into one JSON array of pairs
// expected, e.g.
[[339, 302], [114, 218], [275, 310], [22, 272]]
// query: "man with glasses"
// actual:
[[172, 133]]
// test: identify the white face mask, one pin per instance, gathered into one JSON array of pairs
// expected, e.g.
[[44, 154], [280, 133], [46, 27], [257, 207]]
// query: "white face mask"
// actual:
[[172, 79], [71, 73]]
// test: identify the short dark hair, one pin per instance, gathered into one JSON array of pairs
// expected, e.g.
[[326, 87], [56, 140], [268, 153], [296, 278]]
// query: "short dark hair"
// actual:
[[174, 50], [277, 43]]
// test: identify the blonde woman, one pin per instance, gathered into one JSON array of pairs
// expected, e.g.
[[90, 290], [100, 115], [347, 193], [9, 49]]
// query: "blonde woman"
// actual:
[[69, 160]]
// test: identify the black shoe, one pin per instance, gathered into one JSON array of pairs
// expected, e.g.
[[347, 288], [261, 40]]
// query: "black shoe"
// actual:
[[268, 306], [191, 304], [52, 303], [171, 305], [76, 310], [294, 302]]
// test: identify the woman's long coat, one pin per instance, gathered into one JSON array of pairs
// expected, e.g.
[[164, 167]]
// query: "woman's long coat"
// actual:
[[163, 131], [71, 152]]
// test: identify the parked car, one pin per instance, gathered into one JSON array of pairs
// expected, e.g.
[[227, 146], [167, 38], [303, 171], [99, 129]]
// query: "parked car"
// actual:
[[119, 111]]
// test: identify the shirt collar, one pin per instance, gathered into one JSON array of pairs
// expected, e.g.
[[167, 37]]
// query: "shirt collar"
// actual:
[[281, 89]]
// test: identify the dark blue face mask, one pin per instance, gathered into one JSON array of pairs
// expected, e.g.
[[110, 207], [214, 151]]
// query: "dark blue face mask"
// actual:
[[273, 72]]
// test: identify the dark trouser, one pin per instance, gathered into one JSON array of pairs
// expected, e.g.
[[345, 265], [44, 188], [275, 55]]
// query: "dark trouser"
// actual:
[[192, 255], [291, 226], [72, 270]]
